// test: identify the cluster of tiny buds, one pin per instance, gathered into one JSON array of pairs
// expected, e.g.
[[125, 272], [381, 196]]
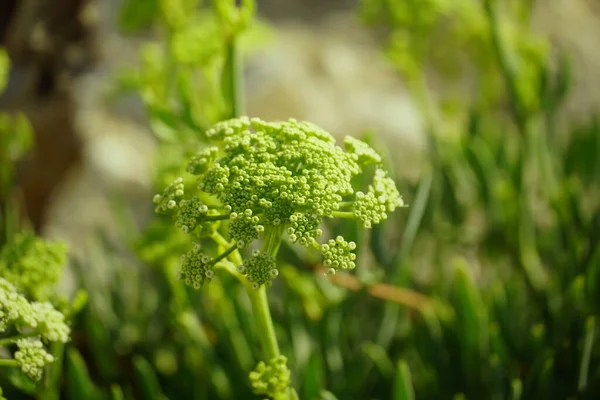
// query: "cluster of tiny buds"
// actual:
[[259, 269], [272, 378], [191, 212], [361, 152], [33, 265], [167, 201], [41, 317], [32, 357], [371, 208], [196, 267], [244, 227], [304, 228], [338, 255], [201, 161]]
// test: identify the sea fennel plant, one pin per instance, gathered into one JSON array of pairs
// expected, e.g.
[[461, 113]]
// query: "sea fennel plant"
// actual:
[[272, 181], [34, 316], [32, 327]]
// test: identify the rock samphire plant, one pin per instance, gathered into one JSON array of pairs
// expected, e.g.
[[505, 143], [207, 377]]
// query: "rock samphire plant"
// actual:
[[272, 181], [30, 323]]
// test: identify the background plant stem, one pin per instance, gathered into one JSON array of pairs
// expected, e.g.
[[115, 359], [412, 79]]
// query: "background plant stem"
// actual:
[[8, 363], [233, 79], [508, 71], [233, 88]]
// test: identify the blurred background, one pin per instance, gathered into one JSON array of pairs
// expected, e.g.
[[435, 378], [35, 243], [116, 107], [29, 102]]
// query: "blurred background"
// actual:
[[486, 287]]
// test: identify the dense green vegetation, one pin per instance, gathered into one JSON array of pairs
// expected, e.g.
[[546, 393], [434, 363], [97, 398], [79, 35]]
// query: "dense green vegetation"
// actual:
[[486, 287]]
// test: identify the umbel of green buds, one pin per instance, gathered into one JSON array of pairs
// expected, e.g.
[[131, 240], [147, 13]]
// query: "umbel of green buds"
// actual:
[[271, 379], [35, 323], [287, 177], [33, 265]]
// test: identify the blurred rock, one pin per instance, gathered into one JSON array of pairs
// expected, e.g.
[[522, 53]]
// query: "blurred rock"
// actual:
[[118, 151], [336, 76], [573, 26]]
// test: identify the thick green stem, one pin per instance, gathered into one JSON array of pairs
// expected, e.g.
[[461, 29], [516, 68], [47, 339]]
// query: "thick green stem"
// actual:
[[260, 304], [258, 297], [273, 240], [50, 389], [5, 362], [343, 214], [220, 240], [264, 322]]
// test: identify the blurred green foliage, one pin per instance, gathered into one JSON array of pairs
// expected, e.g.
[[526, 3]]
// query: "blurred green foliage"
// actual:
[[512, 228], [34, 317], [33, 265], [502, 239], [15, 140]]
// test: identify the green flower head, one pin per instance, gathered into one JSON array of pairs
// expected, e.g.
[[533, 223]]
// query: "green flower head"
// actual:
[[284, 176], [34, 265], [32, 357], [37, 317], [34, 323], [271, 379]]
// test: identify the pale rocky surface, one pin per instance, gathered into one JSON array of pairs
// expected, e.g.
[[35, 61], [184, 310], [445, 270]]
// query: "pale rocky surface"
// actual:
[[574, 26], [335, 76]]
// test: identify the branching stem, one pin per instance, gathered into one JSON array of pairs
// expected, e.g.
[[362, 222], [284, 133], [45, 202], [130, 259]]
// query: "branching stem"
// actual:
[[219, 239], [225, 254], [343, 214], [258, 297], [215, 218], [346, 204], [8, 341], [6, 362], [260, 304]]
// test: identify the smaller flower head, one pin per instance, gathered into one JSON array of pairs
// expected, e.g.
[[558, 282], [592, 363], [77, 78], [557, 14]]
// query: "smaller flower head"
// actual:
[[50, 323], [168, 200], [372, 207], [32, 357], [271, 379], [189, 213], [32, 264], [14, 308], [200, 163], [338, 255], [194, 268], [304, 228], [244, 229], [260, 269], [361, 152]]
